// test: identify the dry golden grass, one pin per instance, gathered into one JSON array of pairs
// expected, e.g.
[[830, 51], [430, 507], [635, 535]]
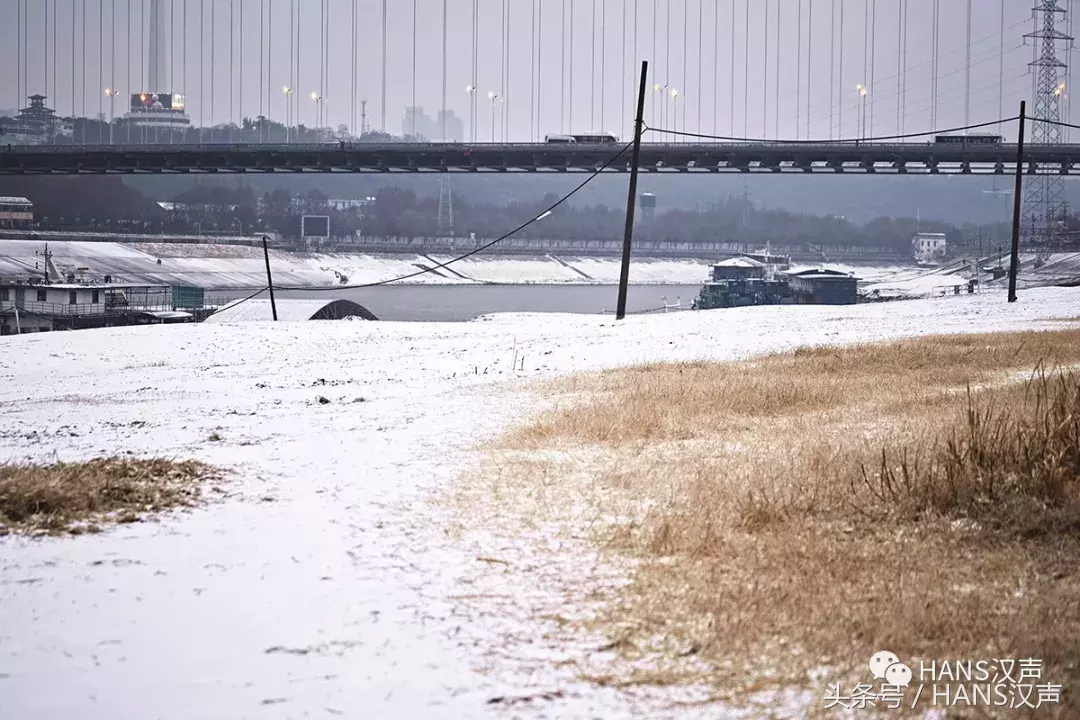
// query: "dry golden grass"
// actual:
[[77, 497], [801, 511]]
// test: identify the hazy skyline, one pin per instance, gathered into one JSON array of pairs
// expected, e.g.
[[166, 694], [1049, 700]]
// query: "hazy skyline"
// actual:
[[780, 78]]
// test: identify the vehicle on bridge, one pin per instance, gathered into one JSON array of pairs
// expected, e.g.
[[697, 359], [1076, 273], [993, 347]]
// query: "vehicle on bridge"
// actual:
[[586, 138], [967, 140]]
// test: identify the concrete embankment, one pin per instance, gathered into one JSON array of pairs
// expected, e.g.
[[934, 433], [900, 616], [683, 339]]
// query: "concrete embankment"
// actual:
[[235, 266]]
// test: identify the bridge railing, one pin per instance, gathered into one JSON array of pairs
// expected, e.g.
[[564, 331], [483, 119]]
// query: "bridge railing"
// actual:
[[547, 147]]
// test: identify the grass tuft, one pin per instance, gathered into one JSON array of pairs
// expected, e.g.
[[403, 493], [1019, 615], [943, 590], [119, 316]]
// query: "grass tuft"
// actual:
[[803, 510], [77, 497]]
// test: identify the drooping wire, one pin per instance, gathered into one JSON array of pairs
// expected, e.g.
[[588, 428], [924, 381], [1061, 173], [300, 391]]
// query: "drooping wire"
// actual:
[[842, 141], [536, 218]]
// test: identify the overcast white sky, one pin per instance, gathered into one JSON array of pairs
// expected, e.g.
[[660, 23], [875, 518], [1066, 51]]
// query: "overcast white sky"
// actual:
[[728, 82]]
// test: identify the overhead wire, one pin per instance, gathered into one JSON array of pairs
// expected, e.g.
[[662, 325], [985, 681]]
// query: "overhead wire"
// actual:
[[844, 141], [536, 218]]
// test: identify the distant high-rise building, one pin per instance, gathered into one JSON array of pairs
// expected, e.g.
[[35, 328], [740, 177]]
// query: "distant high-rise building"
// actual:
[[455, 127], [417, 123]]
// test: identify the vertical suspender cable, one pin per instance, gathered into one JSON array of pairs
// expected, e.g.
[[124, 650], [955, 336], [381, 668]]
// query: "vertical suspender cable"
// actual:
[[412, 111], [445, 20], [1001, 68], [603, 62], [765, 83], [700, 64], [202, 70], [19, 53], [934, 66], [352, 77], [299, 55], [667, 62], [809, 62], [19, 64], [873, 61], [903, 72], [746, 71], [776, 102], [183, 54], [532, 74], [509, 80], [74, 109], [861, 114], [262, 66], [232, 68], [967, 69], [592, 70], [539, 66], [655, 61], [840, 77], [213, 57], [100, 69], [716, 70], [832, 68], [622, 59], [798, 74], [56, 22], [562, 71], [45, 47], [731, 92], [476, 65], [240, 51], [502, 81], [382, 108], [899, 63]]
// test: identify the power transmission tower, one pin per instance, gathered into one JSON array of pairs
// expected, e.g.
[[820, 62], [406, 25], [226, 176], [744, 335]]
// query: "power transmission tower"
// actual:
[[446, 207], [1044, 201]]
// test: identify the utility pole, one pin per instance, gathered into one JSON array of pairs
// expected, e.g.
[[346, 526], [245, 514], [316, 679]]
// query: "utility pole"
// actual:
[[1014, 259], [269, 279], [639, 125]]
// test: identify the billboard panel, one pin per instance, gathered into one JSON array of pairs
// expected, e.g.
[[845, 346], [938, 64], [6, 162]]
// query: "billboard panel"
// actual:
[[315, 226], [157, 101]]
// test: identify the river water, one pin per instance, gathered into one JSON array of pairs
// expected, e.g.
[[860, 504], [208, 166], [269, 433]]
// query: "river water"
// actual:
[[454, 303]]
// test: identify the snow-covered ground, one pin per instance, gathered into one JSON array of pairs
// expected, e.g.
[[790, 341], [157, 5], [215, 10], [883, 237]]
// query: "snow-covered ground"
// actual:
[[325, 583]]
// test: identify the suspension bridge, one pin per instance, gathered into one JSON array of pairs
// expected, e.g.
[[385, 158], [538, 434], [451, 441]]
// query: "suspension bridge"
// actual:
[[501, 74], [809, 158]]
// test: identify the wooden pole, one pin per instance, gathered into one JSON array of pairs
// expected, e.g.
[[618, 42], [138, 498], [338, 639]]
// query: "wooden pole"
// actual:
[[631, 200], [1014, 259], [269, 279]]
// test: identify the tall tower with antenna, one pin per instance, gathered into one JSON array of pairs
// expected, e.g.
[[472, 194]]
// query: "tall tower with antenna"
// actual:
[[1044, 198]]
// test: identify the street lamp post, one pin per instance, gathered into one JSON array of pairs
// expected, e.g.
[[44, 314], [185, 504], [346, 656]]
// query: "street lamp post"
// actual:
[[862, 109], [470, 90], [111, 93], [288, 112], [494, 97], [318, 114], [663, 100], [675, 111]]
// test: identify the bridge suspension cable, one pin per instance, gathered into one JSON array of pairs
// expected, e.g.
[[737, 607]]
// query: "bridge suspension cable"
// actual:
[[851, 141]]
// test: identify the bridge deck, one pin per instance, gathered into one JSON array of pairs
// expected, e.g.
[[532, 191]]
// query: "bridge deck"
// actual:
[[809, 158]]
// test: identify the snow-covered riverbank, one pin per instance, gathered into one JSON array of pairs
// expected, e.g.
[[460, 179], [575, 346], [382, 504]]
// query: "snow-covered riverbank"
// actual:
[[325, 583]]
